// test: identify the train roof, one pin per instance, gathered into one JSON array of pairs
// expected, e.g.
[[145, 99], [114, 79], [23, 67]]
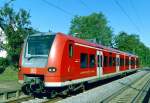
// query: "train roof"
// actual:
[[78, 40], [42, 34], [84, 42]]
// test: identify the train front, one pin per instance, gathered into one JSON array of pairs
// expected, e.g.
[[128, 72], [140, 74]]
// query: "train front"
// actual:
[[34, 64]]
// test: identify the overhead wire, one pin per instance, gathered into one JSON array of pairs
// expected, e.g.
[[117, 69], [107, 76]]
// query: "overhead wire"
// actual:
[[130, 19], [85, 5], [57, 7], [135, 12]]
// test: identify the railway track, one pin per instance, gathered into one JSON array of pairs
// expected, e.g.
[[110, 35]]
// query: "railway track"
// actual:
[[35, 100], [133, 93], [19, 100]]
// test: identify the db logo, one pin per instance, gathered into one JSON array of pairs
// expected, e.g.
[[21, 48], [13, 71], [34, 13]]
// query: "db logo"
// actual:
[[33, 70]]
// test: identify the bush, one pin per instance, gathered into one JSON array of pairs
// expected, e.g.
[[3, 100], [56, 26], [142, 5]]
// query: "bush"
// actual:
[[3, 64]]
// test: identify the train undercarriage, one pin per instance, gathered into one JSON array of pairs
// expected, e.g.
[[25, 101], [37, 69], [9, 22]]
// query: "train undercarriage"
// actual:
[[34, 86]]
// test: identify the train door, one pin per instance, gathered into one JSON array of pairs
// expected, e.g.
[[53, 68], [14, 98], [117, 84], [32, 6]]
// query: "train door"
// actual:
[[135, 63], [99, 64], [117, 62], [71, 54], [129, 63]]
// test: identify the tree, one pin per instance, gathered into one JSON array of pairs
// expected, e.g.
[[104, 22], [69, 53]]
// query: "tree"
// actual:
[[3, 64], [15, 25], [123, 40], [131, 43], [93, 26]]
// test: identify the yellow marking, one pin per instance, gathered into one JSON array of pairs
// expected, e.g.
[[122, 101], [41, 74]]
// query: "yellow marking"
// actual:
[[33, 70], [87, 72]]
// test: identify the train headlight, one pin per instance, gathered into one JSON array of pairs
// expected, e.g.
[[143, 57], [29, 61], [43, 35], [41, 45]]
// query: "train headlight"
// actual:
[[52, 69]]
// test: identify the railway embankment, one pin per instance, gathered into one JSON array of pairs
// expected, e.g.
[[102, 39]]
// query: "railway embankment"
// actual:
[[9, 90]]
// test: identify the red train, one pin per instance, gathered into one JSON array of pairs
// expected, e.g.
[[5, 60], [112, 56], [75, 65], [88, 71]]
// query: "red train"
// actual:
[[61, 63]]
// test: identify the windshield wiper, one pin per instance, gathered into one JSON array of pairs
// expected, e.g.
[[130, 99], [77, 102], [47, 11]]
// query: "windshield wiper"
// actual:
[[37, 56], [30, 57]]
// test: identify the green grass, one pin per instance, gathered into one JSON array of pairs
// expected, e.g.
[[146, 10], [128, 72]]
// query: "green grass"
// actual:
[[9, 74]]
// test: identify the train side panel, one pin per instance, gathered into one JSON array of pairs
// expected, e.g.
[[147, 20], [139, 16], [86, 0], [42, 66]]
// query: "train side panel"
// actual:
[[80, 62]]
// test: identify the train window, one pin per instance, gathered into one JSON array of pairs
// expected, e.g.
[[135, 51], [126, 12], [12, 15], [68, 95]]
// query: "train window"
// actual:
[[121, 62], [132, 62], [39, 45], [117, 61], [114, 61], [99, 60], [110, 61], [105, 61], [137, 62], [127, 62], [92, 61], [83, 60], [70, 50]]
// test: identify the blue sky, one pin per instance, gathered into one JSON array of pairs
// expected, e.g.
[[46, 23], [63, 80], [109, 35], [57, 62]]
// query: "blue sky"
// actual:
[[45, 17]]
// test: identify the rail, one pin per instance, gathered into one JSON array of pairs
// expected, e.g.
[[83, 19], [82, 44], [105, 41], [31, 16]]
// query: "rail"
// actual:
[[130, 93], [12, 95]]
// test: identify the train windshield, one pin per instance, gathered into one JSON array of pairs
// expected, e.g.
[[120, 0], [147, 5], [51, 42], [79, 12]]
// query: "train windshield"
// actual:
[[39, 45]]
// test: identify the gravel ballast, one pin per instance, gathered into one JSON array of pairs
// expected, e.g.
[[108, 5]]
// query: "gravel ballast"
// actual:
[[100, 93]]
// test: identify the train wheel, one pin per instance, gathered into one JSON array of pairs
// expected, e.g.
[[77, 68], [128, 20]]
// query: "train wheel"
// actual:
[[26, 89], [83, 88], [53, 93]]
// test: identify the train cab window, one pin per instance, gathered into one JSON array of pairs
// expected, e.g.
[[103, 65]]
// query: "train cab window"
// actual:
[[92, 61], [83, 60], [105, 61], [70, 50], [110, 61]]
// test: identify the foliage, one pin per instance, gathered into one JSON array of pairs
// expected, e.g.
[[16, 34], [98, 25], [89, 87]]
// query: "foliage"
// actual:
[[16, 28], [93, 26], [131, 43], [123, 40], [3, 64]]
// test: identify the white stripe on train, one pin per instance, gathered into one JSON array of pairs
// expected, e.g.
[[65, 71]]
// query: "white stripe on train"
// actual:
[[88, 79]]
